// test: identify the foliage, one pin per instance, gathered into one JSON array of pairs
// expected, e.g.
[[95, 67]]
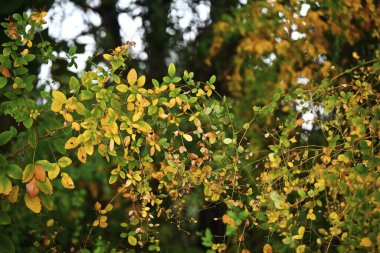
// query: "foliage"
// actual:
[[163, 145]]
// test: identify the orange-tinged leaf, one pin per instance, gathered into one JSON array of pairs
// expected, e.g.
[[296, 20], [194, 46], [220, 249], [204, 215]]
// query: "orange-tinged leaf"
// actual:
[[39, 173], [34, 204], [365, 242], [5, 72], [32, 189], [267, 248], [71, 143], [67, 181], [132, 77], [13, 195], [299, 122], [212, 137]]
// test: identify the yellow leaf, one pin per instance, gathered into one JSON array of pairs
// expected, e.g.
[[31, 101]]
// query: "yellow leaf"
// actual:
[[71, 143], [82, 155], [13, 195], [366, 242], [54, 173], [122, 88], [34, 204], [132, 77], [50, 223], [141, 81], [56, 106], [59, 96], [108, 57], [142, 126], [136, 116], [267, 248], [188, 137], [132, 240], [300, 249], [67, 181]]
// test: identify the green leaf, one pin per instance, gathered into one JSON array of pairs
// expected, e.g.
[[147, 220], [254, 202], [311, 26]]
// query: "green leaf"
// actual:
[[28, 123], [47, 201], [74, 83], [72, 50], [46, 165], [276, 97], [5, 137], [171, 70], [132, 240], [212, 79], [59, 144], [5, 219], [86, 95], [6, 245], [3, 82], [45, 186], [113, 179], [5, 185], [14, 171]]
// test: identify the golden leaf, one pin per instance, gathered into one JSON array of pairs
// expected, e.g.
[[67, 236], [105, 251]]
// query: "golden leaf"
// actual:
[[132, 77], [71, 143], [67, 181], [82, 155], [267, 248], [59, 96], [34, 204], [13, 195], [56, 106], [141, 81], [366, 242]]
